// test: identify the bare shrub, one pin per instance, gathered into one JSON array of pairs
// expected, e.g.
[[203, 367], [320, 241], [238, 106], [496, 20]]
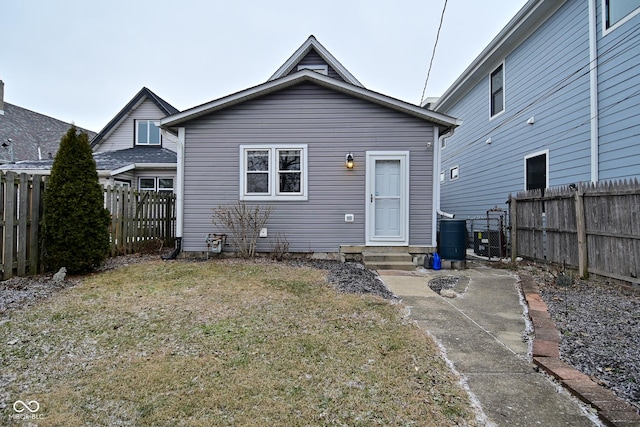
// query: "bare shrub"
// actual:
[[242, 224], [280, 248]]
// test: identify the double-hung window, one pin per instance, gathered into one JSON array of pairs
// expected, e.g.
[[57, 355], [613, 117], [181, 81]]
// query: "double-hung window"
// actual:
[[155, 184], [273, 172], [147, 132], [619, 11], [497, 91]]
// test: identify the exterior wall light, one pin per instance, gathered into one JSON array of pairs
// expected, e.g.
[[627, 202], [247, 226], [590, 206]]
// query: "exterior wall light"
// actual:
[[349, 161]]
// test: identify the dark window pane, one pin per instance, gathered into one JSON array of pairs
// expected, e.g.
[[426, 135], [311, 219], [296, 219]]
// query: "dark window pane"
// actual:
[[537, 172], [147, 184], [497, 85], [289, 160], [258, 160], [497, 103], [290, 182], [257, 183], [165, 183]]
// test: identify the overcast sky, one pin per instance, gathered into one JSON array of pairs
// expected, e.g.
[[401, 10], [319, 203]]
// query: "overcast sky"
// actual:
[[83, 60]]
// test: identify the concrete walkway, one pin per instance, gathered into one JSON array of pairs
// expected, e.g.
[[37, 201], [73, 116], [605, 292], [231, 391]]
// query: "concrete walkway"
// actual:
[[481, 331]]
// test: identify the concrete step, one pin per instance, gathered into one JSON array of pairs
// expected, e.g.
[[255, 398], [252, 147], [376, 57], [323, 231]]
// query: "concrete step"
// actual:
[[388, 261]]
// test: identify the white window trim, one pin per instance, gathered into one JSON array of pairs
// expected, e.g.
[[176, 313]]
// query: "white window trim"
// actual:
[[451, 169], [536, 154], [504, 91], [146, 144], [606, 30], [156, 183], [274, 194], [318, 68]]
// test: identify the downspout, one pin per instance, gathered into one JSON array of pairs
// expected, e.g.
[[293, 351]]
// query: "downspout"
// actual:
[[593, 90], [179, 195], [438, 149], [436, 183]]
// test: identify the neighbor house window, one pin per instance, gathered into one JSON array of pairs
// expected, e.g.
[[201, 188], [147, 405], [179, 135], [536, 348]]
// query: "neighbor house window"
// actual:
[[277, 172], [535, 167], [619, 11], [454, 173], [442, 175], [155, 184], [497, 91], [147, 132]]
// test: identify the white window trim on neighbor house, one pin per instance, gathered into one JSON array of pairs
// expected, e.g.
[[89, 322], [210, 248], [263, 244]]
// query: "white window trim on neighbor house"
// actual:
[[157, 184], [501, 69], [150, 125], [606, 28], [273, 172]]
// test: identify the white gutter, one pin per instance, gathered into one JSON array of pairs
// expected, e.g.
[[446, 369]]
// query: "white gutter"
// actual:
[[593, 90], [437, 160]]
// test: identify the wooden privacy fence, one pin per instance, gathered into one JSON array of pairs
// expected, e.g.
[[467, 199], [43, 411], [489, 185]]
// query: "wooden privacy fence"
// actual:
[[592, 227], [139, 220], [20, 214]]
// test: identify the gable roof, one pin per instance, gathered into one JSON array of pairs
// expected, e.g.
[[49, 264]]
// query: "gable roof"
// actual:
[[528, 19], [315, 78], [33, 135], [143, 94], [307, 46]]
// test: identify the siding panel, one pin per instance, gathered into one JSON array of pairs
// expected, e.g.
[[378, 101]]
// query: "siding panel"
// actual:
[[331, 124]]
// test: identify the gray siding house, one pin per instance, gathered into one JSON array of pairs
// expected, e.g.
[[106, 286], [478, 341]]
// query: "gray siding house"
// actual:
[[284, 143], [553, 100]]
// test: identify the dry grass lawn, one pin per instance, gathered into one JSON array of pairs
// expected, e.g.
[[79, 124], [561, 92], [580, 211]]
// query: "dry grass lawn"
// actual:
[[223, 343]]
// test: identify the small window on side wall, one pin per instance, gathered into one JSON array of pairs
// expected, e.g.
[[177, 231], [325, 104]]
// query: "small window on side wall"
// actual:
[[497, 91], [147, 132], [454, 173]]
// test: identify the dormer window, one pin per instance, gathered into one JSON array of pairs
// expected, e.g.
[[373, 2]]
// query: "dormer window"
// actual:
[[147, 132], [322, 69]]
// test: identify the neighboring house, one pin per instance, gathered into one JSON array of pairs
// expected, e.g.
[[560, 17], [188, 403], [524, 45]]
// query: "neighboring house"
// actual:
[[140, 155], [131, 150], [27, 135], [553, 100], [285, 143]]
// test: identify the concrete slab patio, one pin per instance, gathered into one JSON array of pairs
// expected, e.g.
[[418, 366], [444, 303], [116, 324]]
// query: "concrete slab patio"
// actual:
[[481, 331]]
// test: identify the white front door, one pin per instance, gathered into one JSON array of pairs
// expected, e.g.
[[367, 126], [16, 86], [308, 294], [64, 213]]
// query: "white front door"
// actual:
[[387, 198]]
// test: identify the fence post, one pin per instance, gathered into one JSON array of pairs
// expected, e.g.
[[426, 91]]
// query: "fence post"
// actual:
[[514, 229], [583, 261]]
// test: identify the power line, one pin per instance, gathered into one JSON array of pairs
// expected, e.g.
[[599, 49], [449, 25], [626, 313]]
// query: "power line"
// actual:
[[433, 54]]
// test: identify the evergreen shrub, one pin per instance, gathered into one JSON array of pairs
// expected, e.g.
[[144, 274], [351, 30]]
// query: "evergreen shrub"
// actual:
[[75, 222]]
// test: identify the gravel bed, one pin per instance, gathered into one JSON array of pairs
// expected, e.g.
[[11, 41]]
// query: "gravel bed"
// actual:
[[599, 323], [446, 282]]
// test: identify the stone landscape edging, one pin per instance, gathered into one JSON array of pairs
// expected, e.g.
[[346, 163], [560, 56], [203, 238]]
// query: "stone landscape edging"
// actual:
[[612, 410]]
